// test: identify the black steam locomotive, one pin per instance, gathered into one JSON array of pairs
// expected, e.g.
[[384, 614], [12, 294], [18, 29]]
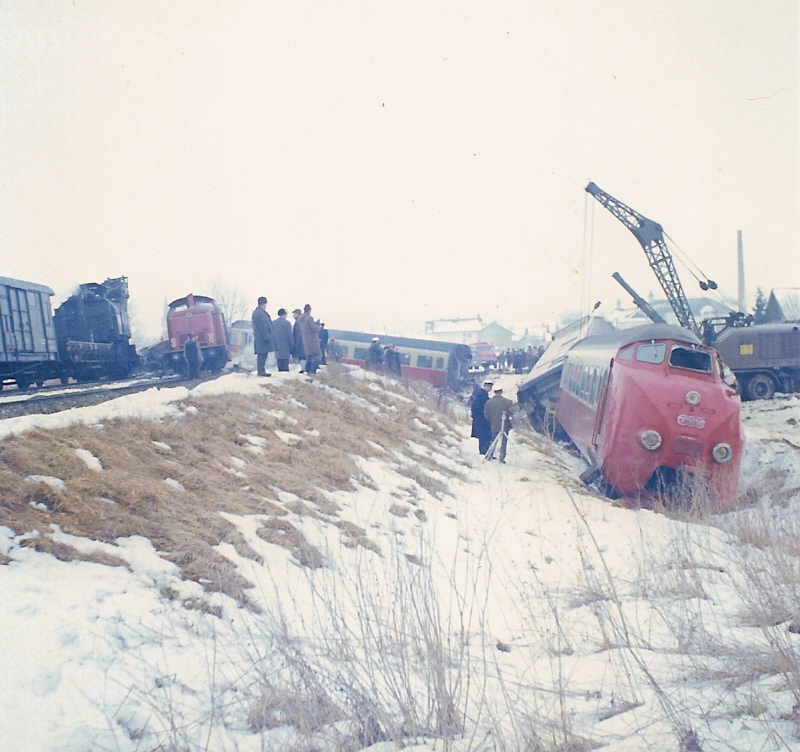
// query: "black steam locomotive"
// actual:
[[87, 338]]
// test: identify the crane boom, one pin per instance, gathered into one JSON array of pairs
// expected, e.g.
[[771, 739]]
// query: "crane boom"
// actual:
[[650, 235]]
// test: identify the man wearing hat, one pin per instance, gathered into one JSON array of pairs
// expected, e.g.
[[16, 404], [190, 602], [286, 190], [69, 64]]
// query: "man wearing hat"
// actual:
[[263, 338], [481, 428], [374, 357], [497, 411]]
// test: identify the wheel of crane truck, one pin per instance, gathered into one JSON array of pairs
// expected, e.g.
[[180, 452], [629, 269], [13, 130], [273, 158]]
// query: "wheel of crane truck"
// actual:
[[760, 386]]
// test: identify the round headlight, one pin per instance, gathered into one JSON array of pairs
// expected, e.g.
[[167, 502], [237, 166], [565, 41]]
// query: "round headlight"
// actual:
[[722, 452], [692, 398], [651, 440]]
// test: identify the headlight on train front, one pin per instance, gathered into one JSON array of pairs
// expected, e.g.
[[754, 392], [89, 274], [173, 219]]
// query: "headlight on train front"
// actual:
[[722, 452], [651, 440], [692, 398]]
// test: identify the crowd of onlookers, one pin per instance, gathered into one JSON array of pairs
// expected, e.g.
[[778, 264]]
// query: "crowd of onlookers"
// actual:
[[519, 360]]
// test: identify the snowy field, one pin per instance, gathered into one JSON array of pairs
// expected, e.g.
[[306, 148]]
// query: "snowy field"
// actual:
[[516, 611]]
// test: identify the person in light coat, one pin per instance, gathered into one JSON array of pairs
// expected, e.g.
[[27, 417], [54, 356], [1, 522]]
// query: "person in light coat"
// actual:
[[497, 411], [309, 332]]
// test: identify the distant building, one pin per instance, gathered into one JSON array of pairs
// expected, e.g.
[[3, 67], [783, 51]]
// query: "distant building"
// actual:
[[462, 330], [469, 331]]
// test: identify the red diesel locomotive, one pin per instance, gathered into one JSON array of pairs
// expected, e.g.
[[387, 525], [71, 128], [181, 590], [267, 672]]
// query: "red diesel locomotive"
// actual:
[[648, 405], [196, 314]]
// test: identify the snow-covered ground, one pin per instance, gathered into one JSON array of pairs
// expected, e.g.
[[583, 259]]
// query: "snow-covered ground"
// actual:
[[515, 610]]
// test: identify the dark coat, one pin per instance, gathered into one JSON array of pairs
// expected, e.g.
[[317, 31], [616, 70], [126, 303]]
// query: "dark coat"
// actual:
[[309, 331], [297, 347], [284, 338], [192, 352], [374, 357], [263, 338], [481, 428]]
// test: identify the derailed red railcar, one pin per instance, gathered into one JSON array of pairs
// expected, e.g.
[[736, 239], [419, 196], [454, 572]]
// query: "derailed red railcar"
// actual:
[[648, 407], [200, 315]]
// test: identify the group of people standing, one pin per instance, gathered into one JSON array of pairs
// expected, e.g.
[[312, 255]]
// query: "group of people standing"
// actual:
[[491, 420], [305, 339], [378, 358]]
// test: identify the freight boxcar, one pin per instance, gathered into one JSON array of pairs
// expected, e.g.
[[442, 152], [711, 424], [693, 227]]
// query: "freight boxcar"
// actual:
[[28, 349]]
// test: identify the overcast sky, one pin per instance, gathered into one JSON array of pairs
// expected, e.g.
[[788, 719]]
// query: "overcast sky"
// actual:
[[394, 162]]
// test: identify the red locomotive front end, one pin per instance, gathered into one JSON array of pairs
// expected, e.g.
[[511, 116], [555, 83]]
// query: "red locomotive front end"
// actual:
[[200, 315], [650, 413]]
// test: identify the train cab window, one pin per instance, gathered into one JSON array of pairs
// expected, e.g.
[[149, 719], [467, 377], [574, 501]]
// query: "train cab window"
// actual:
[[691, 358], [440, 364], [360, 353], [626, 353], [653, 352], [424, 361]]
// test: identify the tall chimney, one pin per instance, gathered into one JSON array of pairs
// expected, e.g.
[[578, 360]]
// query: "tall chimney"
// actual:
[[742, 293]]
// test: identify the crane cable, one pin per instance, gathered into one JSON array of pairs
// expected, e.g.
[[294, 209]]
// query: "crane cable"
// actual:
[[706, 284], [588, 250]]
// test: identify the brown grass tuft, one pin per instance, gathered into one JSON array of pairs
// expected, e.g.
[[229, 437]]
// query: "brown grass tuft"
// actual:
[[170, 480]]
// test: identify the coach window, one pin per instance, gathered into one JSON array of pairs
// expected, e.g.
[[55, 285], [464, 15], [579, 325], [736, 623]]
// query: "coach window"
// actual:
[[360, 353], [424, 361], [689, 357], [440, 363], [405, 359], [652, 353], [345, 351]]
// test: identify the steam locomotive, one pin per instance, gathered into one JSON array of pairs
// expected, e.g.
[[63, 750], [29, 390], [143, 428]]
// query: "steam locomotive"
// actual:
[[87, 338]]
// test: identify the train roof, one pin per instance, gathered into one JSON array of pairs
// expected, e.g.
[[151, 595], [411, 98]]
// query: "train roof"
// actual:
[[22, 284], [546, 375], [421, 344], [197, 299], [622, 337]]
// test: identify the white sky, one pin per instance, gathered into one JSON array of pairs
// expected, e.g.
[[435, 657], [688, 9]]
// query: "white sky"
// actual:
[[399, 161]]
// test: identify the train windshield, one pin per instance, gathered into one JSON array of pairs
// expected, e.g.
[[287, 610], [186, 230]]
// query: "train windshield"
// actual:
[[691, 358], [653, 352]]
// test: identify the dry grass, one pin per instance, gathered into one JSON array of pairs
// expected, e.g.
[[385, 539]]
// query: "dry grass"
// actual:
[[169, 481]]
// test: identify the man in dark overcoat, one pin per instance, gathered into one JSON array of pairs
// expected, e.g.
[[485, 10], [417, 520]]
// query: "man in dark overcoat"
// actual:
[[284, 340], [374, 356], [481, 428], [297, 348], [193, 355], [323, 343], [263, 337]]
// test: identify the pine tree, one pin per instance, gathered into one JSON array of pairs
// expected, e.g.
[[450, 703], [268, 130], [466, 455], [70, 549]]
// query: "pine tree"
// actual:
[[760, 308]]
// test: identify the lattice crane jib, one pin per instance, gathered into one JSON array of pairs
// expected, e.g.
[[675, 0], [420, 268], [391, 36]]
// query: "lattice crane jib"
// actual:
[[650, 235]]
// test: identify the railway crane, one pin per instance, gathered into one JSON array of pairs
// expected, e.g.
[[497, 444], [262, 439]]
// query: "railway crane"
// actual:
[[765, 357], [650, 235]]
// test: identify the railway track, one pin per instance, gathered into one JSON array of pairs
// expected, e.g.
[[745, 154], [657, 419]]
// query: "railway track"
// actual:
[[53, 399]]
